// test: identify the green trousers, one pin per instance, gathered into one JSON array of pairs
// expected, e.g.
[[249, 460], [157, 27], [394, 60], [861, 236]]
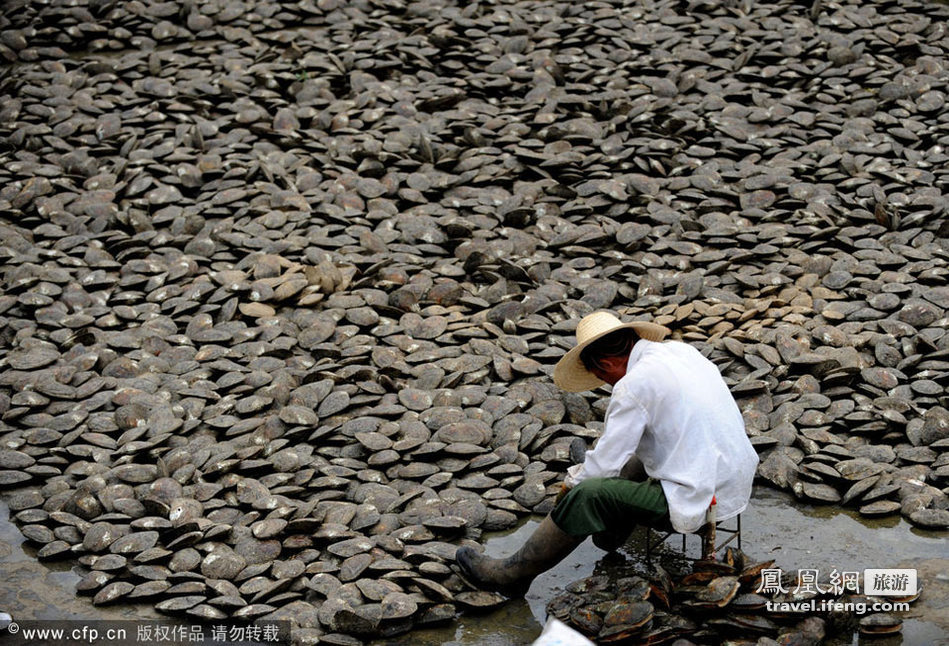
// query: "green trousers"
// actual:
[[612, 505]]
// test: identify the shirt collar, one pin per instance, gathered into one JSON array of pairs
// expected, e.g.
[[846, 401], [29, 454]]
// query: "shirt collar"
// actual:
[[637, 352]]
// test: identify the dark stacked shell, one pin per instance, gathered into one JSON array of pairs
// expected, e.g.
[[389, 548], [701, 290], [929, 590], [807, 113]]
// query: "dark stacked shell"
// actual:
[[717, 602]]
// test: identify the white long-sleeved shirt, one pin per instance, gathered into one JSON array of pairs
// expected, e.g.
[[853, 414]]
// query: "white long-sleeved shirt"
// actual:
[[673, 410]]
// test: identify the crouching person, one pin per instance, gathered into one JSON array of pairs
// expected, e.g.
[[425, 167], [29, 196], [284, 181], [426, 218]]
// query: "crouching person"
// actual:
[[670, 416]]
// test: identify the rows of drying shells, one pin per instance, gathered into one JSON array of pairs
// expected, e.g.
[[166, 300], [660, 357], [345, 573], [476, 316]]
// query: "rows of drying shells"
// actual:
[[283, 283]]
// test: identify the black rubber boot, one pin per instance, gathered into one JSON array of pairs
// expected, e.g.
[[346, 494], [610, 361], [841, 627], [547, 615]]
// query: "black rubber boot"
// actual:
[[610, 541], [546, 547]]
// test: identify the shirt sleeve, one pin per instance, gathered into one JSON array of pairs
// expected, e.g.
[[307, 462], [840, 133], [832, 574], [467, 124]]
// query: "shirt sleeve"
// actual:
[[625, 422]]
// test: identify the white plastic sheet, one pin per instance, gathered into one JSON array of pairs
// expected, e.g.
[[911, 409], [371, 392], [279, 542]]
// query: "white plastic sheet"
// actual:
[[557, 633]]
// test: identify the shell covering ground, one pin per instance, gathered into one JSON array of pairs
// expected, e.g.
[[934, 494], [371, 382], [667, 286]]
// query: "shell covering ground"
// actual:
[[283, 284]]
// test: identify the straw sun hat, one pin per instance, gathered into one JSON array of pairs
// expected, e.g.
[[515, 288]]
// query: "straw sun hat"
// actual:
[[570, 374]]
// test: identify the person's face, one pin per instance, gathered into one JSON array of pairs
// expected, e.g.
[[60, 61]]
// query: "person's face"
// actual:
[[609, 369]]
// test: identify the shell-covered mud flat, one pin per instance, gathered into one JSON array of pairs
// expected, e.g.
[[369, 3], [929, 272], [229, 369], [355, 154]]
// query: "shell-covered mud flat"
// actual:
[[283, 285]]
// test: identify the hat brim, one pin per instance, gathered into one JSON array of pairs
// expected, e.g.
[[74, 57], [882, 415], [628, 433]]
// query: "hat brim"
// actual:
[[572, 376]]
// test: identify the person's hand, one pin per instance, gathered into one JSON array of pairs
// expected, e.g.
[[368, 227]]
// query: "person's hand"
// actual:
[[560, 494]]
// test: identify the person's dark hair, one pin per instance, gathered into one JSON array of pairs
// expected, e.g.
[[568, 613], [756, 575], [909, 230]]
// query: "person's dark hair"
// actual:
[[614, 344]]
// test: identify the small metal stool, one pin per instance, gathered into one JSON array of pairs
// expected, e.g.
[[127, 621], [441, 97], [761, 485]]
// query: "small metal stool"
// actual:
[[708, 532]]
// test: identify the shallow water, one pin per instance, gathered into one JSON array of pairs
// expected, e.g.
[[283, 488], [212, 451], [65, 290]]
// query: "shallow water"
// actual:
[[775, 526]]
